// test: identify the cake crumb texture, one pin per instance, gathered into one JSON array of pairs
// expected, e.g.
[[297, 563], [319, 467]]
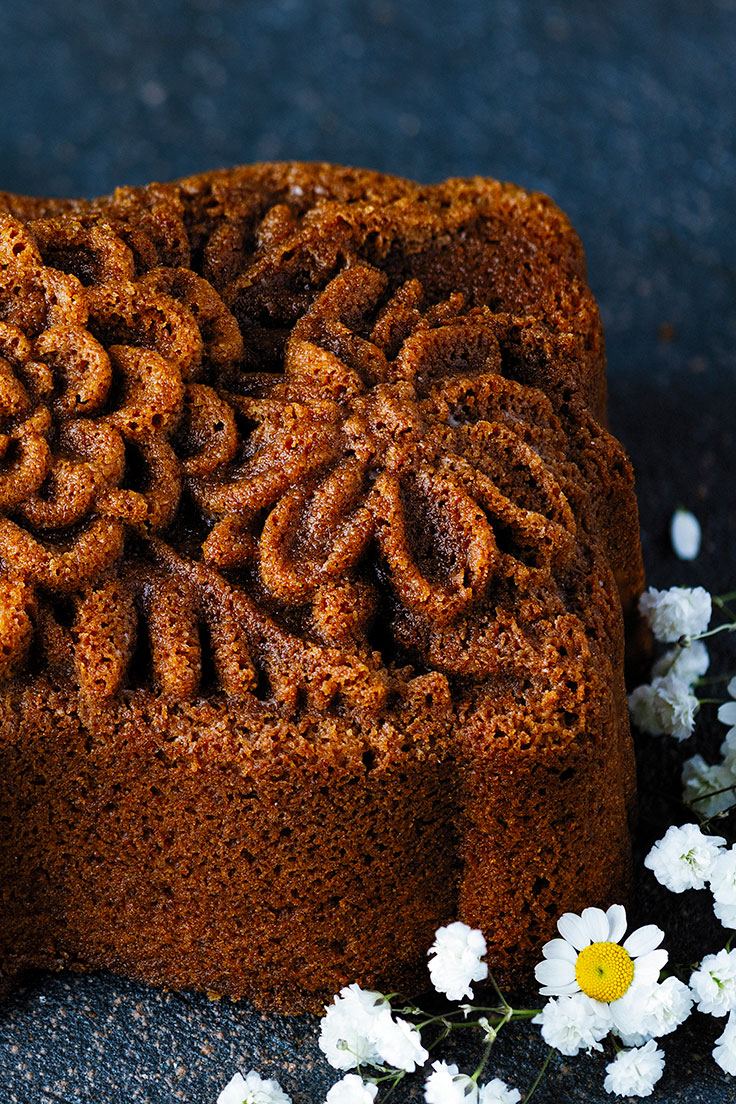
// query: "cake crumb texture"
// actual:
[[314, 549]]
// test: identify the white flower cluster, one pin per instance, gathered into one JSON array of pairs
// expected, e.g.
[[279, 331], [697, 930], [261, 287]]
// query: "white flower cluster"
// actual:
[[252, 1089], [677, 613], [455, 960], [360, 1029], [667, 705], [446, 1086], [711, 788], [604, 986], [713, 985], [352, 1090], [687, 858]]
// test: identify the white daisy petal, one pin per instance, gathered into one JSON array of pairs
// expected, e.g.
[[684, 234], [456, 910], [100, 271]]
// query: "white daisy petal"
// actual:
[[643, 940], [555, 971], [647, 968], [685, 534], [616, 916], [596, 923], [572, 928], [727, 713], [560, 948], [560, 990]]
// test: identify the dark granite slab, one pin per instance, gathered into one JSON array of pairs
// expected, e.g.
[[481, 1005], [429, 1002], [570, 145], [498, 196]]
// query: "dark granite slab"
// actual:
[[625, 115]]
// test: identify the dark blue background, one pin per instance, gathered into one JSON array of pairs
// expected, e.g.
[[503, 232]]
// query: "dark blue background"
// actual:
[[624, 114]]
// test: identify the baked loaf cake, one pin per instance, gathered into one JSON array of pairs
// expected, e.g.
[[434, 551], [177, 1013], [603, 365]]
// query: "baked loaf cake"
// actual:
[[313, 552]]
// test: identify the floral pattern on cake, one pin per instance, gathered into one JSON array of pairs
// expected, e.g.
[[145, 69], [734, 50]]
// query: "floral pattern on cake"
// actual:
[[353, 510]]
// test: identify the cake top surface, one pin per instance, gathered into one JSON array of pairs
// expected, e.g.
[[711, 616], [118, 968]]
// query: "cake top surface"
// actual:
[[298, 436]]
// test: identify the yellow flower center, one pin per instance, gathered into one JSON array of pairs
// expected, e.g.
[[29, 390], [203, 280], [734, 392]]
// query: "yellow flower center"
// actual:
[[604, 971]]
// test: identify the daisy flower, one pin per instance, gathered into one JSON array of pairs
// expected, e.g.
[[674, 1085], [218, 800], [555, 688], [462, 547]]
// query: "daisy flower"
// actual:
[[591, 959]]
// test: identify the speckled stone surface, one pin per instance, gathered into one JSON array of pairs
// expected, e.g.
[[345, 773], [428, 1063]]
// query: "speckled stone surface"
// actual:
[[625, 115]]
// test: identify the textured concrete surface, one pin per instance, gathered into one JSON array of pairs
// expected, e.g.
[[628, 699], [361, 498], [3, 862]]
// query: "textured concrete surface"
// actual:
[[624, 114]]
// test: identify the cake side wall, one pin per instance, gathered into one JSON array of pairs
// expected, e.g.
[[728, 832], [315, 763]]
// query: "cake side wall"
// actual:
[[546, 826], [226, 864]]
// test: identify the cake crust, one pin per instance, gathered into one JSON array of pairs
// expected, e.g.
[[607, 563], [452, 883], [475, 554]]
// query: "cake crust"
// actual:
[[313, 553]]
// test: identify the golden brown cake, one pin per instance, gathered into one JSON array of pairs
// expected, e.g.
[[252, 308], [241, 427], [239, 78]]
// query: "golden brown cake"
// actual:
[[313, 551]]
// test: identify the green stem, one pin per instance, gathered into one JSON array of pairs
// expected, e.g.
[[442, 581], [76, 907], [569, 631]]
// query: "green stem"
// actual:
[[703, 681], [484, 1059], [447, 1016], [501, 997], [397, 1077], [717, 816], [713, 632], [539, 1077], [721, 605], [712, 793]]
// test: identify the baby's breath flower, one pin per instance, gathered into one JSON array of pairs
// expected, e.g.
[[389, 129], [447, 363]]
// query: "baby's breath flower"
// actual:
[[573, 1023], [665, 1007], [724, 1051], [635, 1072], [688, 663], [684, 857], [358, 1029], [347, 1032], [252, 1089], [664, 707], [643, 709], [352, 1090], [455, 960], [723, 887], [728, 750], [498, 1092], [446, 1085], [398, 1043], [685, 534], [713, 984], [727, 711], [708, 788], [677, 612]]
